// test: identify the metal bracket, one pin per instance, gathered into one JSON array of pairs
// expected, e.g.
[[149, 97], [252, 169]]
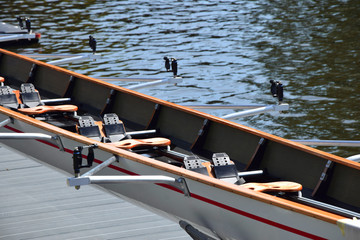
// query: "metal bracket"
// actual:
[[59, 143], [88, 178], [179, 183], [77, 158], [6, 122]]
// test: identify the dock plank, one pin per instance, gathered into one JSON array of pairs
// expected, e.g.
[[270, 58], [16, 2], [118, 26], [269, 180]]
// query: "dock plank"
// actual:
[[31, 208]]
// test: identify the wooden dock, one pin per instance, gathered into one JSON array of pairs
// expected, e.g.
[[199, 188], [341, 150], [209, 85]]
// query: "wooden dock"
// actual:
[[36, 203]]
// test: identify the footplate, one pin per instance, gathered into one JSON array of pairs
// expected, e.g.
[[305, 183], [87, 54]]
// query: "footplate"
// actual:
[[114, 128], [87, 127], [224, 168], [221, 159], [29, 96], [194, 163]]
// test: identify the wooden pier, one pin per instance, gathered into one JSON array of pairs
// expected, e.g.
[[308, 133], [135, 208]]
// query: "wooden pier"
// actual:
[[36, 203]]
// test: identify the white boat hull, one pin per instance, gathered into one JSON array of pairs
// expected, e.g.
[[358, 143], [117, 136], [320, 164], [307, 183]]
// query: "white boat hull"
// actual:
[[215, 211]]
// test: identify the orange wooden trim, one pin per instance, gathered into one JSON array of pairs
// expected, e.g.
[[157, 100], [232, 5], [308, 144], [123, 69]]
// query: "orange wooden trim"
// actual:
[[209, 169], [17, 94], [101, 128]]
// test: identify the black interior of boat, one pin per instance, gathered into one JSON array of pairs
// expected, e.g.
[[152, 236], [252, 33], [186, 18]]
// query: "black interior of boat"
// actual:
[[194, 139]]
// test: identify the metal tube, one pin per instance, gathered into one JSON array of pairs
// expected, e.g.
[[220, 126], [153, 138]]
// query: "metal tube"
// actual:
[[119, 179], [281, 107], [127, 79], [5, 122], [250, 173], [56, 100], [16, 37], [141, 132], [25, 136], [336, 143], [327, 207], [100, 166], [245, 106], [179, 183], [34, 55], [66, 60], [156, 82], [76, 58], [355, 158], [131, 179]]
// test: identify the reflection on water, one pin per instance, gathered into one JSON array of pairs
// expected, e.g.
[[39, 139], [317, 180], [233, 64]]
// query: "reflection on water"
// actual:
[[227, 52]]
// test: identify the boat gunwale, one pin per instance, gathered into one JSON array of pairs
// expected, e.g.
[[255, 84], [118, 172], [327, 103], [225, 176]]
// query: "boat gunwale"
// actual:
[[279, 202]]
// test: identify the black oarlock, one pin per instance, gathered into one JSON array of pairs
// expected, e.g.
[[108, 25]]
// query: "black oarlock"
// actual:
[[28, 25], [273, 88], [174, 66], [92, 43], [20, 20], [90, 157], [77, 158], [280, 92], [167, 64]]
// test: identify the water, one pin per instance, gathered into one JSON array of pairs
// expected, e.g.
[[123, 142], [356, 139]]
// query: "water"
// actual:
[[227, 52]]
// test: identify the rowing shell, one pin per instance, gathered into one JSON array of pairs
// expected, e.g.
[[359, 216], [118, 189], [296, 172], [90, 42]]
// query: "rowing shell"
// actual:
[[218, 208]]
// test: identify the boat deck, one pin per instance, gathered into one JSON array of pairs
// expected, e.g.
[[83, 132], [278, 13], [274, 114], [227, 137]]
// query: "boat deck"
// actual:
[[36, 203]]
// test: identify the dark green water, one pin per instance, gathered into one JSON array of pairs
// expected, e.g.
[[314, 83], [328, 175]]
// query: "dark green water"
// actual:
[[227, 52]]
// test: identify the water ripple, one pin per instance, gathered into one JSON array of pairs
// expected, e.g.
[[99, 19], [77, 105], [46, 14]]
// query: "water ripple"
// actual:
[[227, 52]]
